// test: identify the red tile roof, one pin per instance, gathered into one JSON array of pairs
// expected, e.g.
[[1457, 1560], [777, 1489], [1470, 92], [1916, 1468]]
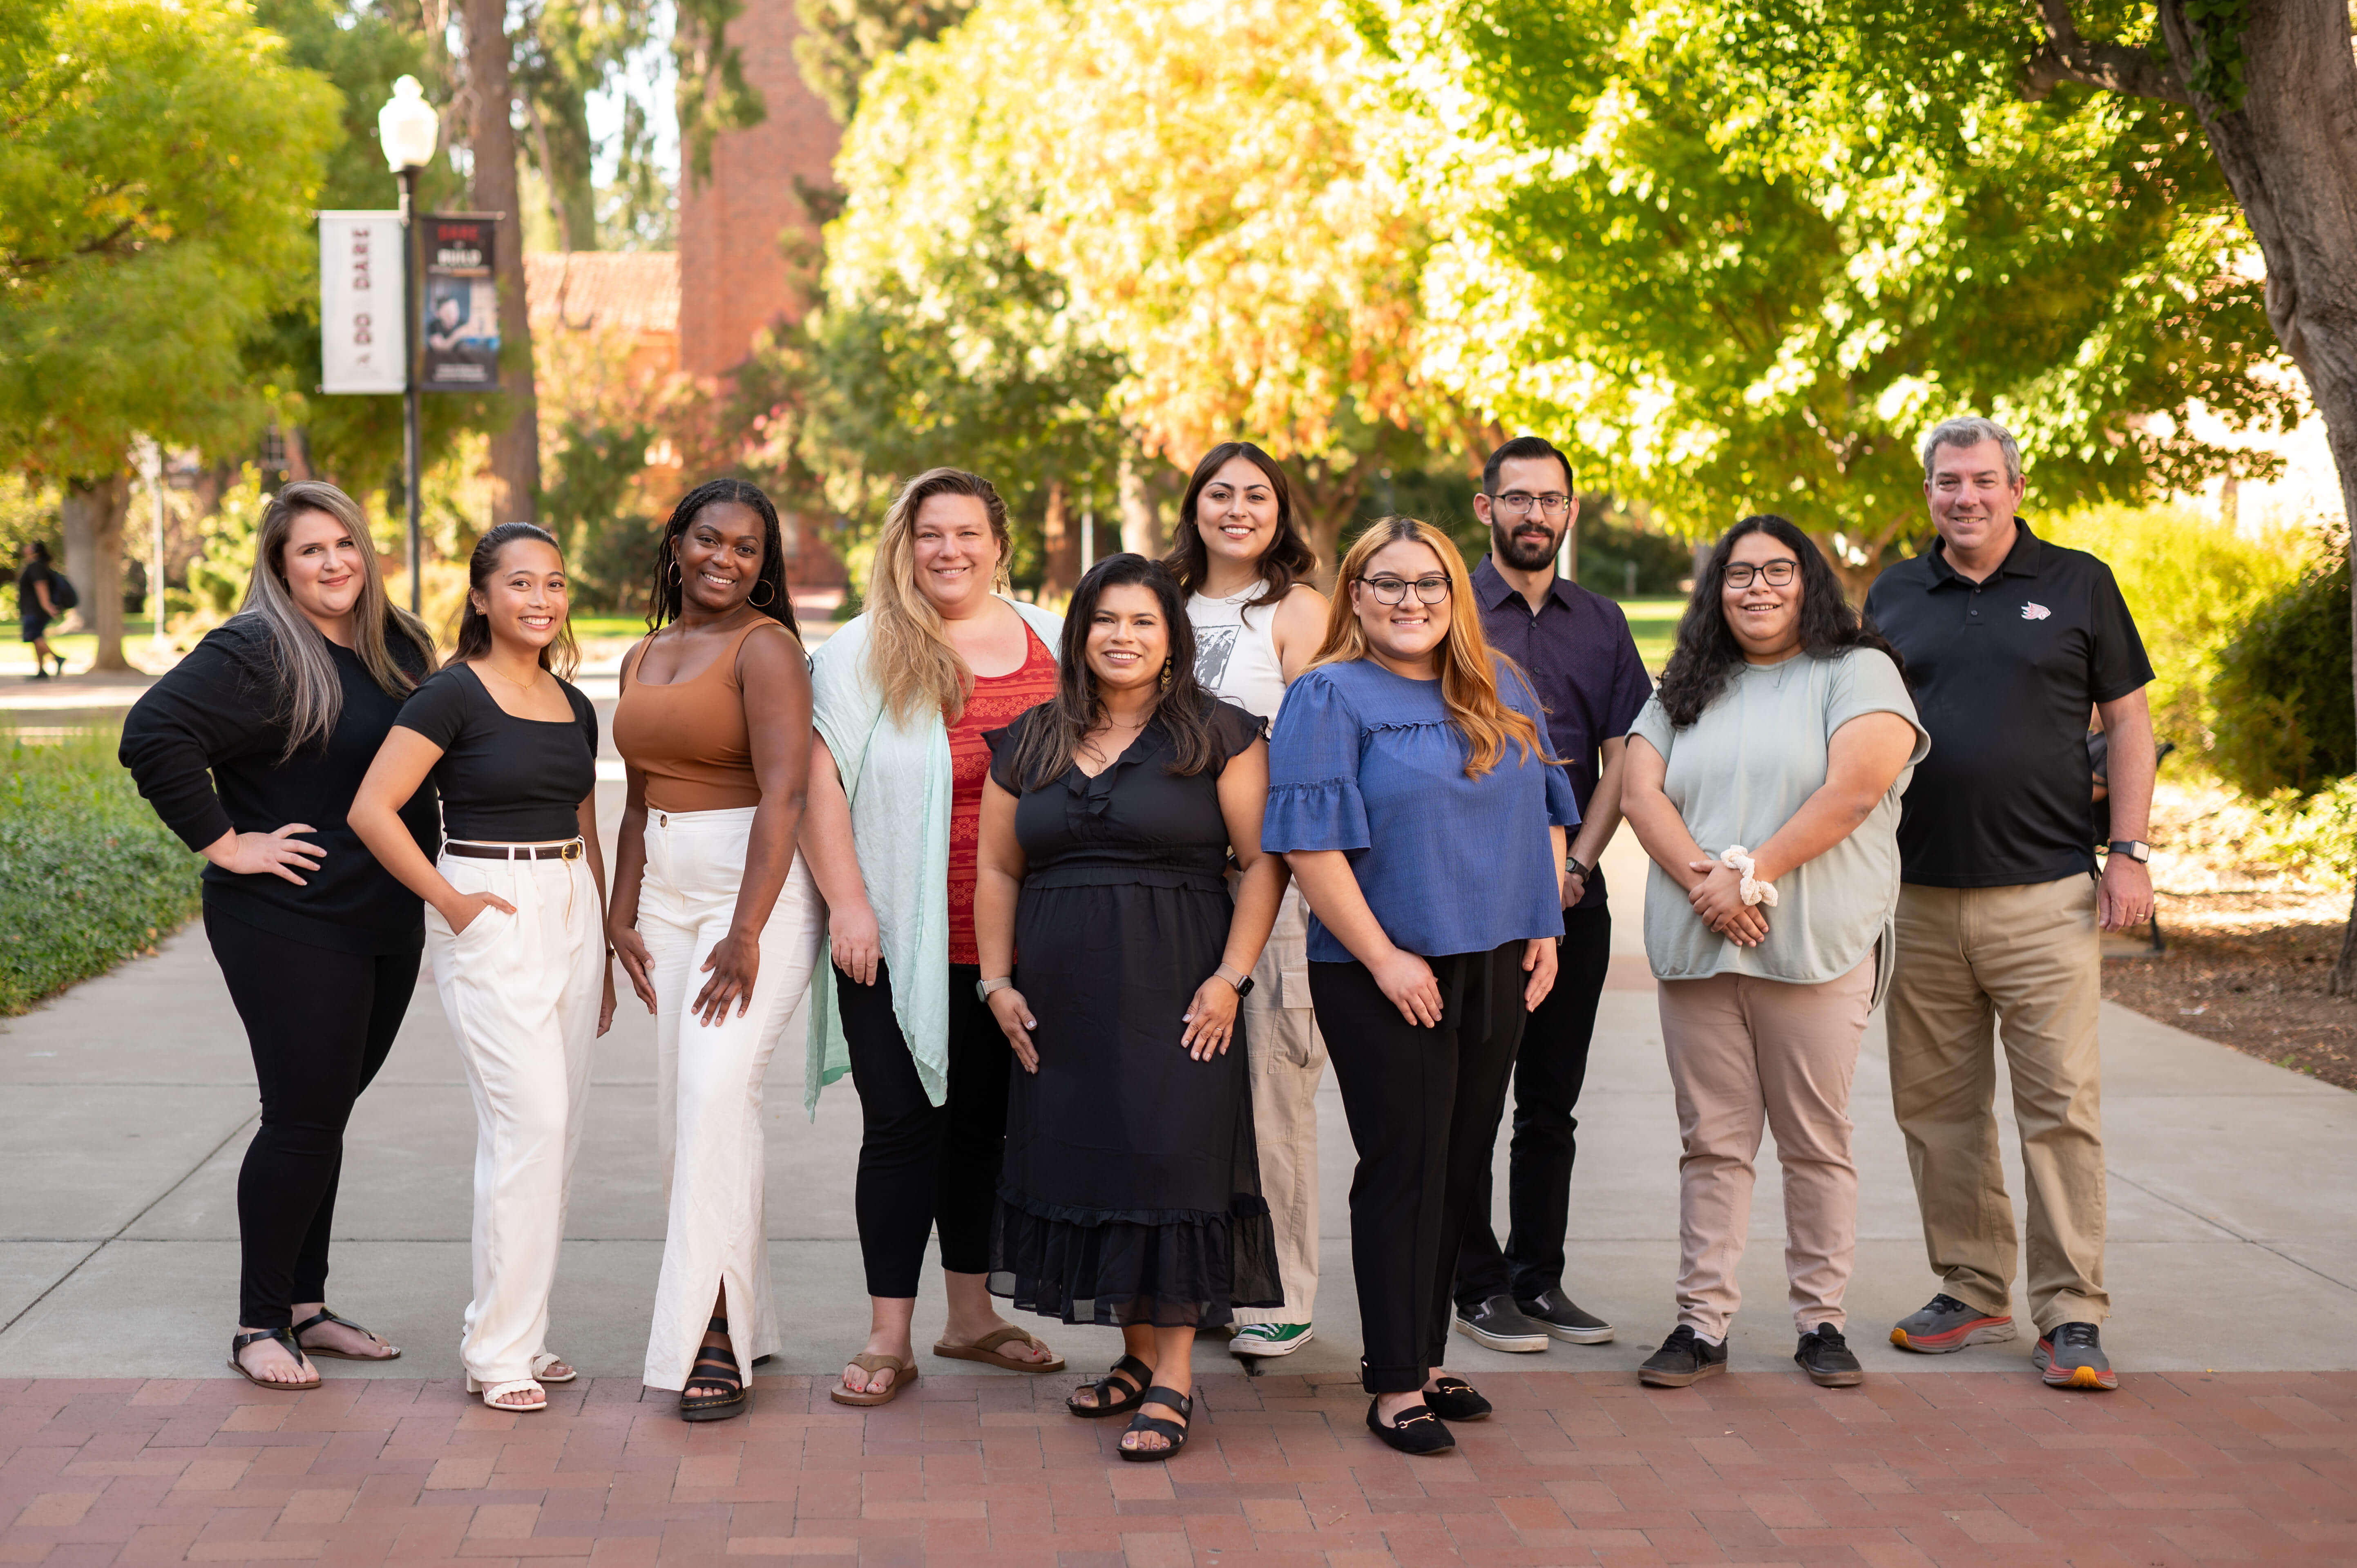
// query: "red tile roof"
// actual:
[[630, 291]]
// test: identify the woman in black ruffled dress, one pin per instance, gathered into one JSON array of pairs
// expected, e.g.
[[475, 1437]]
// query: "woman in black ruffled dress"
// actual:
[[1130, 1195]]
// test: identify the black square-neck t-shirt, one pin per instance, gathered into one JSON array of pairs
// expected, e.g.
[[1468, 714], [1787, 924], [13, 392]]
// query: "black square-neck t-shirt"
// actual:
[[503, 779], [2006, 672]]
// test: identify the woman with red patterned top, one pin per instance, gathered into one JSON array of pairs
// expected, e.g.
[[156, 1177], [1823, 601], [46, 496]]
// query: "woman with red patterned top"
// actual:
[[901, 696]]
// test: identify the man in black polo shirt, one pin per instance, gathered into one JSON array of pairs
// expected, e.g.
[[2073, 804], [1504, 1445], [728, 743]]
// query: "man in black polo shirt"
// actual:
[[2009, 642], [1574, 645]]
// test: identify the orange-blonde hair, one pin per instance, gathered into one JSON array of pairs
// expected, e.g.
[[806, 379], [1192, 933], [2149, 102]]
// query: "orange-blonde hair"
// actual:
[[1469, 669]]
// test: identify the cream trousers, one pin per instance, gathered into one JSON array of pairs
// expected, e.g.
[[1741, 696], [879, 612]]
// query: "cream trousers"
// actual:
[[521, 993], [708, 1081], [1287, 1055]]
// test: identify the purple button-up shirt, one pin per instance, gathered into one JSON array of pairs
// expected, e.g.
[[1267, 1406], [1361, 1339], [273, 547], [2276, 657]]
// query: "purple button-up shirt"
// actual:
[[1583, 662]]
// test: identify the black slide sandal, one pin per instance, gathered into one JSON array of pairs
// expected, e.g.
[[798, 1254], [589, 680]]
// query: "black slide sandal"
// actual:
[[1182, 1403], [1112, 1398], [731, 1396]]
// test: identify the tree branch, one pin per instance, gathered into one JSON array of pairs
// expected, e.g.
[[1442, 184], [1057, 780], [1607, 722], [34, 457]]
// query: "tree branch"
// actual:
[[2116, 68]]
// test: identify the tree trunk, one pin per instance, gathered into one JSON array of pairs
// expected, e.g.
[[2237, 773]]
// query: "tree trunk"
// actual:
[[2285, 154], [94, 511], [515, 450], [1060, 539], [1141, 518], [1327, 499]]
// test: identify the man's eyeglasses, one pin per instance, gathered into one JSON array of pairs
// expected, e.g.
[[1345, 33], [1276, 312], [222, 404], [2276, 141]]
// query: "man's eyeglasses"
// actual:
[[1393, 590], [1778, 572], [1517, 503]]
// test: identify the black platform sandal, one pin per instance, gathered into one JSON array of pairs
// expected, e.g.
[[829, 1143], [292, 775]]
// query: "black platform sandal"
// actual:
[[1418, 1431], [391, 1351], [285, 1336], [1176, 1434], [1115, 1398], [730, 1395]]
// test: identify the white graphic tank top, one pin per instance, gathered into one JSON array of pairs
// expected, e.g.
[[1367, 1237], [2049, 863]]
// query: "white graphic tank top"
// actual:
[[1235, 651]]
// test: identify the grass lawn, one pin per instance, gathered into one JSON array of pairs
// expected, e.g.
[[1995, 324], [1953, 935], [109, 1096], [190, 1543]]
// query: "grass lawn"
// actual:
[[88, 875], [1654, 624]]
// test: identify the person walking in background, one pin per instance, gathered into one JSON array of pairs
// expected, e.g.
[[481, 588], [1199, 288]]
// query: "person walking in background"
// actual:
[[902, 696], [252, 749], [1412, 794], [1763, 779], [714, 916], [36, 606], [1574, 648], [515, 921], [1244, 563], [2010, 640], [1114, 961]]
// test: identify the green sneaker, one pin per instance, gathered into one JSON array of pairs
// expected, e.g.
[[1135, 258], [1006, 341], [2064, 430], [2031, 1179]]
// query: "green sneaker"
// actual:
[[1270, 1338]]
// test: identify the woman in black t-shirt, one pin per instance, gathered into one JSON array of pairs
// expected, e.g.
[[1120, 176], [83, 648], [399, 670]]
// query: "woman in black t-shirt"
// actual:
[[515, 921], [250, 749]]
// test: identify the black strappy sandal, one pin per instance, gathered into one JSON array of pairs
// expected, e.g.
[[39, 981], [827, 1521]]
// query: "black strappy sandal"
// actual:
[[391, 1353], [284, 1337], [731, 1395], [1112, 1398], [1176, 1434]]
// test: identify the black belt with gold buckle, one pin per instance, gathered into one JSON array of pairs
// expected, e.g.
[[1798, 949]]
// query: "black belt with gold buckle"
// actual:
[[571, 850]]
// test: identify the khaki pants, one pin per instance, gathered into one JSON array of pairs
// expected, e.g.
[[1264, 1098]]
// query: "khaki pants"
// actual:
[[2024, 964], [1289, 1058], [1746, 1053]]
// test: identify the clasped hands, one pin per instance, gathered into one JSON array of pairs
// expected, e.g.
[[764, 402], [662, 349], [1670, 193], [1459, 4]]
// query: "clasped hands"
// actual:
[[1717, 901]]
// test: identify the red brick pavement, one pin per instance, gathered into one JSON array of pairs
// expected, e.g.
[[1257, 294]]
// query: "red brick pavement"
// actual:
[[1984, 1467]]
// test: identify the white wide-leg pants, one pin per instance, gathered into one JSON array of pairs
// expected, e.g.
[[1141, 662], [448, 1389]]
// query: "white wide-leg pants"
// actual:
[[708, 1135], [521, 993]]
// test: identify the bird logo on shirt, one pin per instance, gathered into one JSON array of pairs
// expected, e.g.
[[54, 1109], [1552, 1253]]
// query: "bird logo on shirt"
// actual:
[[2035, 612]]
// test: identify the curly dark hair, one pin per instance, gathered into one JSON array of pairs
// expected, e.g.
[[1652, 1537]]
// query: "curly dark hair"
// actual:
[[1184, 705], [663, 595], [1707, 654], [1288, 558]]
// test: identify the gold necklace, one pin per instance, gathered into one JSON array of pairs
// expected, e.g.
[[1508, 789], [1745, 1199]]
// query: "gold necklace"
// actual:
[[510, 680]]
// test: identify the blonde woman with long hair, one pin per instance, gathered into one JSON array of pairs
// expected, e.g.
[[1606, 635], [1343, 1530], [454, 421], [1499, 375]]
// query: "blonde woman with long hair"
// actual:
[[1411, 791], [251, 749], [902, 696]]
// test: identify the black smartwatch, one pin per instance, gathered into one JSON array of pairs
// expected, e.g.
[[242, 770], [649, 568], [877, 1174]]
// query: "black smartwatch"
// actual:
[[1571, 863], [2135, 849]]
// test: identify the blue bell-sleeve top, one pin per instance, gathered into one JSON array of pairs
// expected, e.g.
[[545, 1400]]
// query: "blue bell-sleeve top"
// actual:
[[1367, 762]]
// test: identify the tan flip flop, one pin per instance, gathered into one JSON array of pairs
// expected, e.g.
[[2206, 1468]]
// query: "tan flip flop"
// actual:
[[903, 1374], [986, 1351]]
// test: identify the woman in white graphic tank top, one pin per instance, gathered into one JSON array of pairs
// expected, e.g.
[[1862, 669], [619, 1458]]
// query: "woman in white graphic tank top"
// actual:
[[1242, 562]]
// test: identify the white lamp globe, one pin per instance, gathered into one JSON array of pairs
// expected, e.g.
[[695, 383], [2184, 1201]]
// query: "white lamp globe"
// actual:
[[408, 127]]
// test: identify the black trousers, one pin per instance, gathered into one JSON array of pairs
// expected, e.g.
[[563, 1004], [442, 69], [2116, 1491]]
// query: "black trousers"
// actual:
[[1423, 1105], [921, 1165], [319, 1023], [1548, 1074]]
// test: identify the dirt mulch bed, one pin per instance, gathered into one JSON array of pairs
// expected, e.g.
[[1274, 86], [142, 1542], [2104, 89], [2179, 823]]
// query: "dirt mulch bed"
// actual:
[[2238, 972]]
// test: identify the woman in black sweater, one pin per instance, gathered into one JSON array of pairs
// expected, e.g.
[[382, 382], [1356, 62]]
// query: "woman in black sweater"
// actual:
[[284, 707]]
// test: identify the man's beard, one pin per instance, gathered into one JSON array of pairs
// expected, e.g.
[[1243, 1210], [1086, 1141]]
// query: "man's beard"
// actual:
[[1526, 556]]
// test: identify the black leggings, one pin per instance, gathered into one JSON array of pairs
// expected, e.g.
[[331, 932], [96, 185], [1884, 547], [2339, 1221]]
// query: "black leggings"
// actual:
[[922, 1164], [320, 1023], [1423, 1105]]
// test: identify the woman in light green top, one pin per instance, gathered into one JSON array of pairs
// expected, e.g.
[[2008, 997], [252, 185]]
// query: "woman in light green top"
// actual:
[[1763, 779]]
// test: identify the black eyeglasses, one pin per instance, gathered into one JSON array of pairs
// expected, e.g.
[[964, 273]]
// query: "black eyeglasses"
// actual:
[[1778, 572], [1393, 590], [1517, 503]]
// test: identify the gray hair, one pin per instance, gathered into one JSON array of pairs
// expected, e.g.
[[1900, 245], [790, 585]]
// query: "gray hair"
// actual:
[[311, 694], [1971, 429]]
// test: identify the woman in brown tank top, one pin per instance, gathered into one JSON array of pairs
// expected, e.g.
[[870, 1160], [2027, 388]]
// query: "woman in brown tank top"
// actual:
[[710, 898]]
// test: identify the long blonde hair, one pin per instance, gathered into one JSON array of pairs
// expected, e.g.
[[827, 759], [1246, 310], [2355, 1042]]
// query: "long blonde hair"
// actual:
[[311, 693], [1469, 669], [909, 653]]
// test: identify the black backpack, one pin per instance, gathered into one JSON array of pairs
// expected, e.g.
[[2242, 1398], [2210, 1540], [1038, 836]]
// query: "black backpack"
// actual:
[[61, 590]]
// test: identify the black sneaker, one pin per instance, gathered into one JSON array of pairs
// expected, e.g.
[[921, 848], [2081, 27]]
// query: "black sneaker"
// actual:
[[1682, 1359], [1561, 1317], [1454, 1399], [2071, 1356], [1499, 1324], [1825, 1356]]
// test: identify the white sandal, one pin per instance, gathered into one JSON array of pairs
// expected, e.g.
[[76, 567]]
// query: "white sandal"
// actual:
[[493, 1393], [541, 1362]]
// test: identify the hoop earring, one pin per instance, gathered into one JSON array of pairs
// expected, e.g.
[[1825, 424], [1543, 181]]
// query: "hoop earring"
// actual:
[[675, 578], [763, 603]]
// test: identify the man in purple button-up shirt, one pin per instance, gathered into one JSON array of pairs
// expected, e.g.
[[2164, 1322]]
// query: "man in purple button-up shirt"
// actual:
[[1574, 645]]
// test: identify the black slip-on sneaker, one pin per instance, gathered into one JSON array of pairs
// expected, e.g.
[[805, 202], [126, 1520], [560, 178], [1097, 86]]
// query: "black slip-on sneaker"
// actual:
[[1826, 1357], [1682, 1359], [1499, 1324], [1562, 1318]]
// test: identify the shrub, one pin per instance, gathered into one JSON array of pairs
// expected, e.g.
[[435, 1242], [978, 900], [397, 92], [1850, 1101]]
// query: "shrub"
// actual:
[[88, 875], [2284, 718]]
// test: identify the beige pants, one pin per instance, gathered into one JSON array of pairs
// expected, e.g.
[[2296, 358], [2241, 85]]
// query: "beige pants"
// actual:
[[521, 993], [1743, 1054], [1287, 1056], [2024, 964]]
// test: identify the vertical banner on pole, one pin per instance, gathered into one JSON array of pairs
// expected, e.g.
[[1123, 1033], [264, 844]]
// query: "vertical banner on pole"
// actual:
[[361, 305], [461, 306]]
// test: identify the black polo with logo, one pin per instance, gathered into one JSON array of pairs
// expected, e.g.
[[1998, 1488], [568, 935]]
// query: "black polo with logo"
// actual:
[[2005, 673]]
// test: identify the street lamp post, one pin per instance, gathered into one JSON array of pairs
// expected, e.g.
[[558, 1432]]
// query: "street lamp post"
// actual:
[[408, 128]]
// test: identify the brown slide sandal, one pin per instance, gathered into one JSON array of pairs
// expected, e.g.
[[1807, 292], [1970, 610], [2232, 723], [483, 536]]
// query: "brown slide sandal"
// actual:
[[986, 1351], [903, 1374]]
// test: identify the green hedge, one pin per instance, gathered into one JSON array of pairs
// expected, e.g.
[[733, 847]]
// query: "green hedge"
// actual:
[[2285, 715], [88, 875]]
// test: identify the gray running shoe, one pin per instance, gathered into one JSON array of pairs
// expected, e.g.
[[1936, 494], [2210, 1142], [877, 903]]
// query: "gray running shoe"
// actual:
[[1561, 1317], [1499, 1324], [2070, 1355], [1946, 1323]]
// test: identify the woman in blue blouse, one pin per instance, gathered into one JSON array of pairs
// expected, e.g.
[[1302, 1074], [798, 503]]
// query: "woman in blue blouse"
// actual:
[[1411, 792]]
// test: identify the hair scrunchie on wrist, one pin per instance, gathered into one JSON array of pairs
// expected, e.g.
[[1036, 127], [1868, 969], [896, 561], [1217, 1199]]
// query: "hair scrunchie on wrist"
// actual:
[[1750, 889]]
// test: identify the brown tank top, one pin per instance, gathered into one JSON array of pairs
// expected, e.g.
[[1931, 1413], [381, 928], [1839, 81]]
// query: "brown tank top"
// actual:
[[688, 736]]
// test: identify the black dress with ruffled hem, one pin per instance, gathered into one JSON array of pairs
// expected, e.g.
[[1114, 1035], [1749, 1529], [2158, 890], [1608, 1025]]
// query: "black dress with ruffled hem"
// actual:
[[1130, 1193]]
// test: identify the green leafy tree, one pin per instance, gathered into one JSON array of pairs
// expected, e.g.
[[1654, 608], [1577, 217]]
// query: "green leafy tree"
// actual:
[[841, 40]]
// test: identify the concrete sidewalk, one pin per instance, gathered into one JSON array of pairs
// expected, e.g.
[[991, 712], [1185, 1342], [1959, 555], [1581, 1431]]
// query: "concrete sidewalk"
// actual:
[[128, 1102]]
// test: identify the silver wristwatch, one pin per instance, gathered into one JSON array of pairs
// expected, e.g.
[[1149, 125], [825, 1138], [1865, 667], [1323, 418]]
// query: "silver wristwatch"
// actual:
[[983, 988]]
